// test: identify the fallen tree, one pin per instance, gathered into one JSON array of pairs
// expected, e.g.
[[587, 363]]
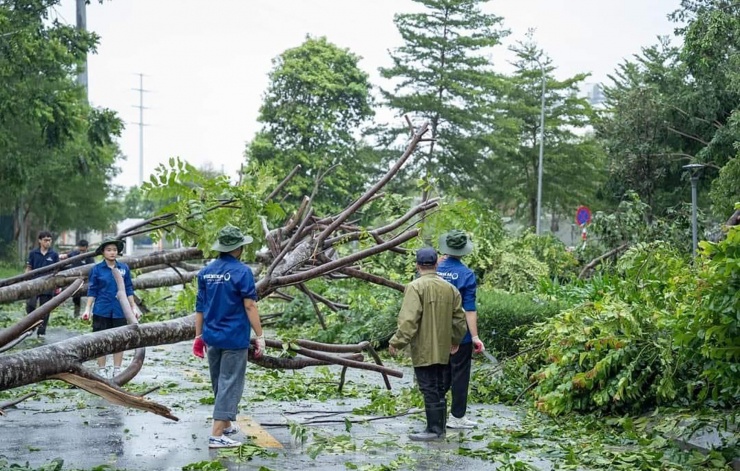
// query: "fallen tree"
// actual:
[[303, 248]]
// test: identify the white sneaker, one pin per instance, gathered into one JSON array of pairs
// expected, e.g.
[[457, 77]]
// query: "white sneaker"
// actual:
[[461, 423], [232, 430], [222, 442], [116, 371], [103, 371]]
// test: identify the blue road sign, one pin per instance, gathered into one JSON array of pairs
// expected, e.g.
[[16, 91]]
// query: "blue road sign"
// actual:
[[583, 215]]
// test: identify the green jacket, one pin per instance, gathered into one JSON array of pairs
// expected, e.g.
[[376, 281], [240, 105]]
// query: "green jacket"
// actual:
[[431, 320]]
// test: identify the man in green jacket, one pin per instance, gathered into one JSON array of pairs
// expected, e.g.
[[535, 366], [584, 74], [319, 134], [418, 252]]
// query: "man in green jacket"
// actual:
[[432, 321]]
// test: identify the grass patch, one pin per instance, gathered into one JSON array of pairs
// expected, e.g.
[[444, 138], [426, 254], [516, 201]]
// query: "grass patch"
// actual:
[[8, 270]]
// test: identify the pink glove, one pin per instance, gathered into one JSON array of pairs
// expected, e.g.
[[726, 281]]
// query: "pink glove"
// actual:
[[260, 346], [478, 346], [199, 347]]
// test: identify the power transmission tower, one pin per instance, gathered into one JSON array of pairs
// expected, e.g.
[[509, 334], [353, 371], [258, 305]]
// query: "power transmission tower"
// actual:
[[141, 126]]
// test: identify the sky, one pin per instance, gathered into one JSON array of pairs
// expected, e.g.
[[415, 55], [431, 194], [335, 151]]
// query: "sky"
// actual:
[[205, 64]]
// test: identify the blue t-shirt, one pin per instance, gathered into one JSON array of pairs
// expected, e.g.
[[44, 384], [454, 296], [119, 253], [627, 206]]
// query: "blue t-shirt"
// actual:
[[463, 278], [223, 285], [80, 263], [102, 286], [37, 260]]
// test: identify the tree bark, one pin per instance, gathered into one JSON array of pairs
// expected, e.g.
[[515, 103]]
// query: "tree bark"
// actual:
[[26, 289]]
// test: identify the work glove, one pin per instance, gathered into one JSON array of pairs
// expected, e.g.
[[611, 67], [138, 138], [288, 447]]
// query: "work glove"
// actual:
[[259, 344], [85, 315], [199, 347], [478, 346]]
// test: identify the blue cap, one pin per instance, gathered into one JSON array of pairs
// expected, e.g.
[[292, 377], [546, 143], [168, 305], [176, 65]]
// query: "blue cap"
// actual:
[[426, 256]]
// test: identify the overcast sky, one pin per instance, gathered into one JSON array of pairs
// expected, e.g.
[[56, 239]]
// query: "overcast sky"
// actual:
[[206, 62]]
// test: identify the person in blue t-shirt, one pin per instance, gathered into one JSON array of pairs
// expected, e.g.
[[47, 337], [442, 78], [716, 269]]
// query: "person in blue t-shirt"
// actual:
[[455, 244], [225, 312], [82, 246], [41, 256], [102, 302]]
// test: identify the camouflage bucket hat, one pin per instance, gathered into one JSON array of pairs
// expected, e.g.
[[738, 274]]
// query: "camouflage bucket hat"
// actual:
[[230, 238], [110, 241], [455, 242]]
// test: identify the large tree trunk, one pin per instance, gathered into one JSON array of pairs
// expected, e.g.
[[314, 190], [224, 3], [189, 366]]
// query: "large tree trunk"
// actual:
[[26, 289]]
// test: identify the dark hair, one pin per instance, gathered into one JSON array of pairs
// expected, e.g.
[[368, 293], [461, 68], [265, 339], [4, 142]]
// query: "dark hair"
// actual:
[[44, 234], [82, 243]]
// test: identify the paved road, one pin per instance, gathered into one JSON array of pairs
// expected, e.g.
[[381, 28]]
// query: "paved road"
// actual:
[[86, 431]]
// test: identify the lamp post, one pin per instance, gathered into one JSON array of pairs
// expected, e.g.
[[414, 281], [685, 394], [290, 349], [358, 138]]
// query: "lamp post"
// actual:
[[542, 149], [694, 169]]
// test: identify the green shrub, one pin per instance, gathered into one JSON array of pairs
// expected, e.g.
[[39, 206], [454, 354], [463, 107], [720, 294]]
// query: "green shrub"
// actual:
[[503, 317], [663, 332]]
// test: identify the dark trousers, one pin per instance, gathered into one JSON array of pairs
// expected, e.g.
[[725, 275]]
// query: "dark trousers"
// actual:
[[458, 378], [31, 306], [77, 301], [431, 380]]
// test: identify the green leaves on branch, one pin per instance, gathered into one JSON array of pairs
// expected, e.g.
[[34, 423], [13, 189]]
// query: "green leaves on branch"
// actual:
[[204, 203], [661, 332]]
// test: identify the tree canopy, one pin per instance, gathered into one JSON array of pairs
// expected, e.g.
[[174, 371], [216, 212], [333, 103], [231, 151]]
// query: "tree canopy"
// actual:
[[443, 74], [313, 113], [58, 153]]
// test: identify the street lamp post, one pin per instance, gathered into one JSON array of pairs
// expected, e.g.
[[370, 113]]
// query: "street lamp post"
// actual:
[[694, 169], [542, 150]]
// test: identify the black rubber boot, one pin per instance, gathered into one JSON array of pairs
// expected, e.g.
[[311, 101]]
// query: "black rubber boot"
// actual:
[[435, 424], [443, 406]]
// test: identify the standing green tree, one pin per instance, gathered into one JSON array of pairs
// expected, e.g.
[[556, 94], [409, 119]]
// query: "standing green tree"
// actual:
[[711, 52], [645, 131], [443, 75], [314, 110], [573, 161], [57, 154]]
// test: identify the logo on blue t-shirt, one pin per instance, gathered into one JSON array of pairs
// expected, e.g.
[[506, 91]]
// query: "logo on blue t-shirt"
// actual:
[[217, 277], [449, 275]]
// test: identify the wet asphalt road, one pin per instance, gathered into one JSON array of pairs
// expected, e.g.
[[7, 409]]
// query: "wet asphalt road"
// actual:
[[86, 431]]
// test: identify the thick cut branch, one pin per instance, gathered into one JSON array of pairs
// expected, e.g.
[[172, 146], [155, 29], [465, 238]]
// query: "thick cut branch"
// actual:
[[593, 263], [26, 289], [36, 316], [342, 262], [339, 220]]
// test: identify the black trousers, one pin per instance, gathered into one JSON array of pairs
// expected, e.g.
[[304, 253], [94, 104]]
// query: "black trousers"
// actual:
[[458, 378], [41, 299], [431, 380]]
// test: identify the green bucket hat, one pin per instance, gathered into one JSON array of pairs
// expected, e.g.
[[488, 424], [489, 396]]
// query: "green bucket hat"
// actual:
[[455, 242], [108, 241], [230, 238]]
